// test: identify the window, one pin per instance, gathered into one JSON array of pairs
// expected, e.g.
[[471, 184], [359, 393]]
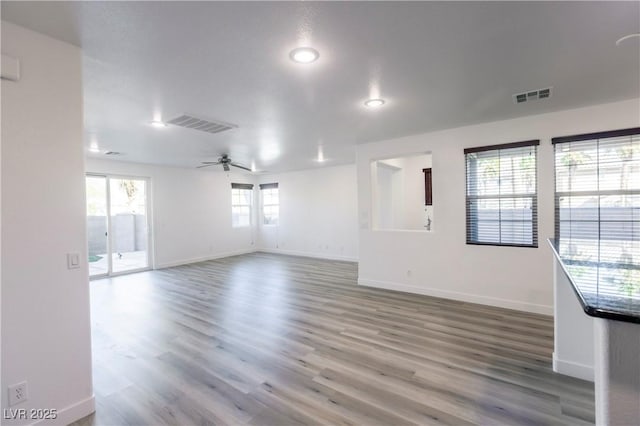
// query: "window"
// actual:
[[597, 198], [241, 202], [270, 203], [502, 204]]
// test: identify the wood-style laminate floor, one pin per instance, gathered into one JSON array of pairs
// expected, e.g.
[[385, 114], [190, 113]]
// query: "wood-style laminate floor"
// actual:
[[264, 339]]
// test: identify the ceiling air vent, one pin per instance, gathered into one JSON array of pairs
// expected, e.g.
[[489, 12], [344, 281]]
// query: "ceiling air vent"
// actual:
[[195, 123], [532, 95], [112, 153]]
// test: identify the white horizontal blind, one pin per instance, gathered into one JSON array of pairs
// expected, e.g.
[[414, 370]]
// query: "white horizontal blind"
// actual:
[[270, 203], [502, 205], [597, 207], [270, 206], [241, 206]]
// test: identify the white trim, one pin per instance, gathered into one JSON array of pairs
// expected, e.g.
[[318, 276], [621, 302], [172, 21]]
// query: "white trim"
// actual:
[[203, 258], [308, 254], [464, 297], [573, 369], [71, 413]]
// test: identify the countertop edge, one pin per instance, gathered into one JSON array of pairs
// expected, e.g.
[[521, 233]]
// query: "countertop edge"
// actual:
[[588, 309]]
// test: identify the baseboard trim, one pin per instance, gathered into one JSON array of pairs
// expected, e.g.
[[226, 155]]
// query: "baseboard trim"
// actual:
[[308, 254], [203, 258], [573, 369], [464, 297], [71, 413]]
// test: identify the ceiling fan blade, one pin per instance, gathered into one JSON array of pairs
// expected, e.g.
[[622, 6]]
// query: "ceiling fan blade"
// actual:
[[210, 163], [206, 165], [241, 167]]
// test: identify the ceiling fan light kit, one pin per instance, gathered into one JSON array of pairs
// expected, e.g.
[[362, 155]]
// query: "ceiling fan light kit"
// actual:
[[225, 161]]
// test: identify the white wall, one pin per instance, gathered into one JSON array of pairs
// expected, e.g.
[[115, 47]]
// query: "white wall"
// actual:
[[616, 372], [439, 263], [45, 306], [318, 214], [573, 333], [388, 190], [191, 211]]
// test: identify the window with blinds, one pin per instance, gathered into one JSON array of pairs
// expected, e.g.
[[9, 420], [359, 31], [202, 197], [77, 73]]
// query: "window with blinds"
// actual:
[[502, 201], [270, 203], [241, 202], [597, 198]]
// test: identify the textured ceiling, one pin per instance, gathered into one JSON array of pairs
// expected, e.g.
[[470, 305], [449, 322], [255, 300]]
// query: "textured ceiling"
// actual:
[[438, 65]]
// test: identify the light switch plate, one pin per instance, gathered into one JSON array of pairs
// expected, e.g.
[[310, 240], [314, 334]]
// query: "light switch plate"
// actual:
[[73, 260]]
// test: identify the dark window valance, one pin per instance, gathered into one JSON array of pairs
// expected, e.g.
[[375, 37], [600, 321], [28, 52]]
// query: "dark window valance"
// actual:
[[532, 142], [241, 186], [599, 135], [269, 185]]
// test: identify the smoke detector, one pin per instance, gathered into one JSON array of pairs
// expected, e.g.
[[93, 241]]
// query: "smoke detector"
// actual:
[[532, 95]]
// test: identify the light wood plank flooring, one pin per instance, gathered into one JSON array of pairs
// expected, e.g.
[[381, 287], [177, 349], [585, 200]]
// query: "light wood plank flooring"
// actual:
[[263, 339]]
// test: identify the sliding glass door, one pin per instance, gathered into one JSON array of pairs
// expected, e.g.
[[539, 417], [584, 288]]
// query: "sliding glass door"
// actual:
[[117, 224], [97, 222]]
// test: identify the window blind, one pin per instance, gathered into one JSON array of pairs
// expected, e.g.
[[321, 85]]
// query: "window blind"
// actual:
[[268, 185], [597, 200], [241, 201], [270, 205], [241, 186], [501, 196]]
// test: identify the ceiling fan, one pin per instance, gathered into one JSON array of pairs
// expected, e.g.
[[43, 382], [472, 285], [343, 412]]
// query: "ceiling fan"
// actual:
[[225, 161]]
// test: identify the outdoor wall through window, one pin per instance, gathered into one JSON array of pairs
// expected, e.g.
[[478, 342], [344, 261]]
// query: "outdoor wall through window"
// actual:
[[597, 201], [502, 205], [241, 203], [270, 203]]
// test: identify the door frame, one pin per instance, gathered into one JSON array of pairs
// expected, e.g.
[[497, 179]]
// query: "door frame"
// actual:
[[149, 234]]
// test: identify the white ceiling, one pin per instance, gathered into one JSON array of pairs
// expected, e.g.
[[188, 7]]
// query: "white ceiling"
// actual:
[[438, 65]]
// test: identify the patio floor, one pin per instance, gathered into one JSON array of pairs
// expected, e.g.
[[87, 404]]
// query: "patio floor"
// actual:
[[124, 261]]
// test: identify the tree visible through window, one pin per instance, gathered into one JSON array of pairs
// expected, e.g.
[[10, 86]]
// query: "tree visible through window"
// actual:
[[502, 195], [598, 203]]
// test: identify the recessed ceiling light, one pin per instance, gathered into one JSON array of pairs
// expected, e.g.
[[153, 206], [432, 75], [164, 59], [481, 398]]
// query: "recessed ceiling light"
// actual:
[[159, 124], [94, 149], [320, 158], [304, 55], [374, 103]]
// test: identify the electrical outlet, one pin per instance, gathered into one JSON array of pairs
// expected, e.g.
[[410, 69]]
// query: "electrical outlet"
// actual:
[[18, 393]]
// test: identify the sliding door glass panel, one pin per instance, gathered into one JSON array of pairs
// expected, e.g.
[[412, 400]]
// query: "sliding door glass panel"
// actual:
[[129, 224], [98, 242]]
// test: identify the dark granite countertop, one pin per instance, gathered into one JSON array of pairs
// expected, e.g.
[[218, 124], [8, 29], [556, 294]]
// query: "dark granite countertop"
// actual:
[[605, 290]]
